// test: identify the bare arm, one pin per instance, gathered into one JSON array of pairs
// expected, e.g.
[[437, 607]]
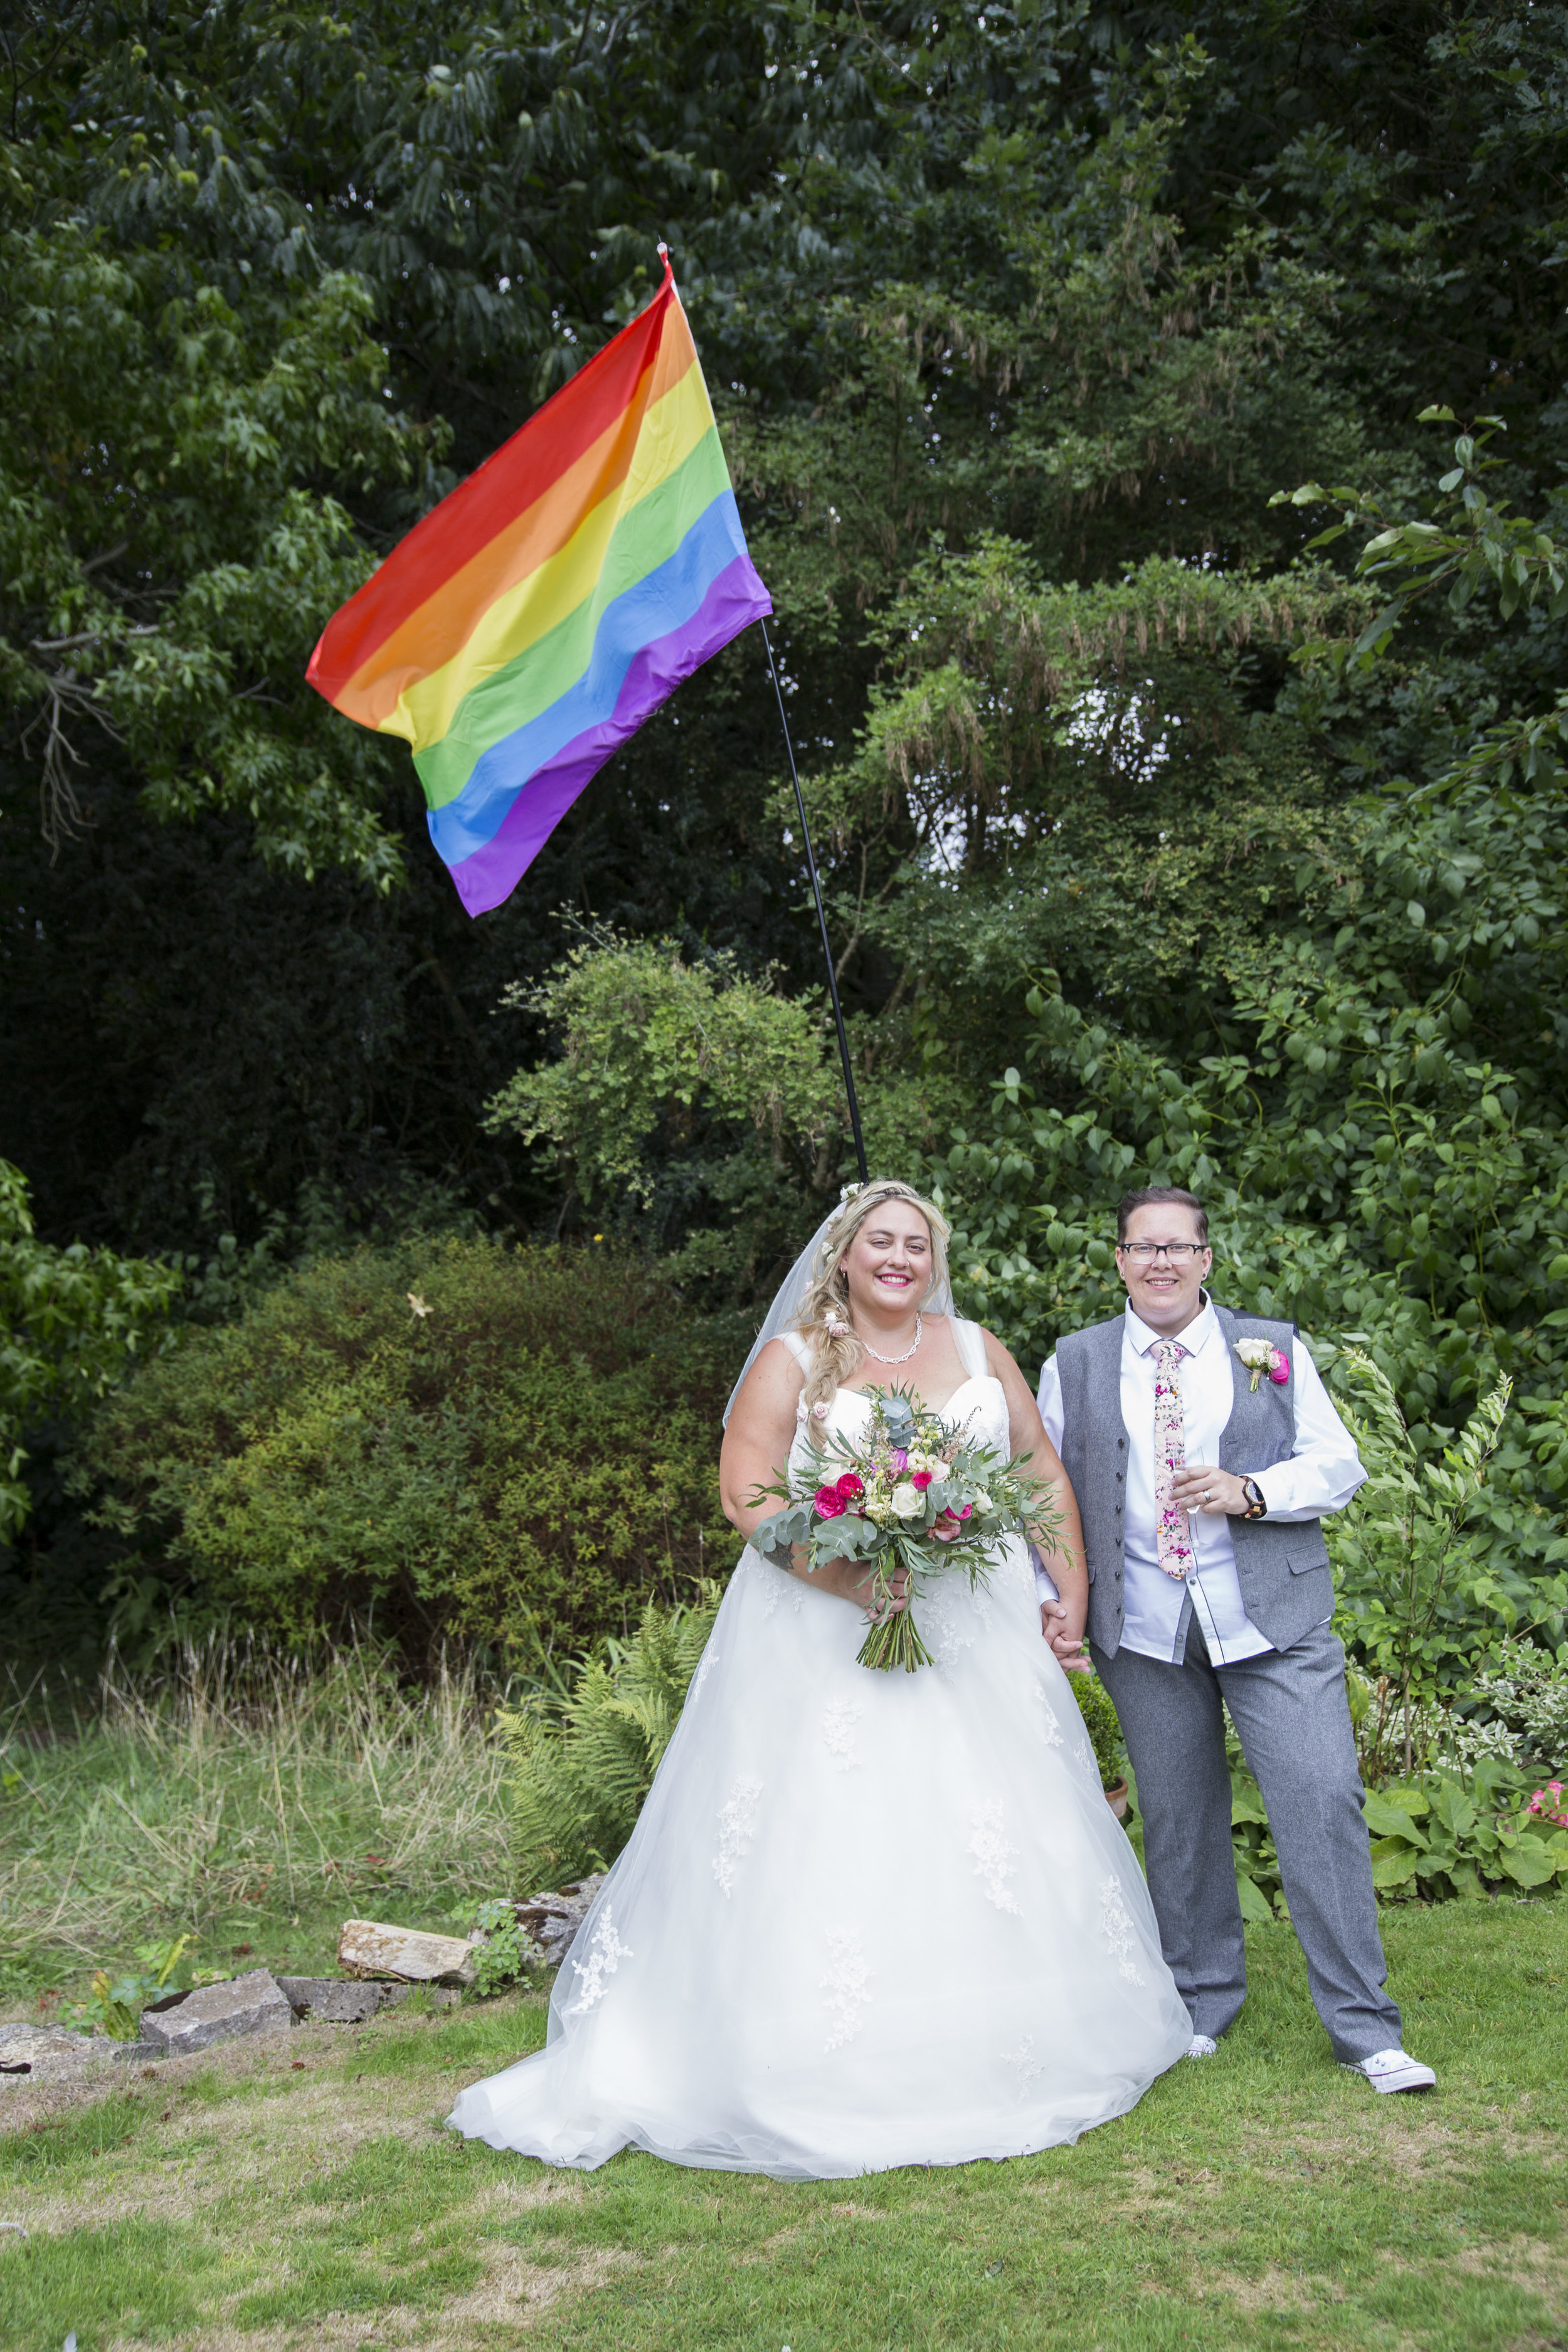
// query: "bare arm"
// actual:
[[1063, 1620], [756, 1447]]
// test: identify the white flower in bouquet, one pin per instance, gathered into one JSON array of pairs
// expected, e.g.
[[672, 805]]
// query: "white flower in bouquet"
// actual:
[[908, 1501]]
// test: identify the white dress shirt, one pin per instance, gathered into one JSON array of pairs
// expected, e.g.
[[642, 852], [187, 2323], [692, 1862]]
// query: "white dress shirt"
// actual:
[[1322, 1476]]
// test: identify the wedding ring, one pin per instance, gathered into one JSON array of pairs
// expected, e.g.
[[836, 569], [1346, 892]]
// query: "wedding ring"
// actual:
[[1208, 1494]]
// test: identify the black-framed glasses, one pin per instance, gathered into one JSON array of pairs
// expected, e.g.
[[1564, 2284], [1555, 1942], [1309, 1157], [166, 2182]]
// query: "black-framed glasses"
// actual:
[[1177, 1252]]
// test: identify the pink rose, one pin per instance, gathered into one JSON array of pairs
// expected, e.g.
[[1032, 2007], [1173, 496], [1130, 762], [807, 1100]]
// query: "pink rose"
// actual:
[[830, 1503], [850, 1487], [1279, 1367], [920, 1478], [967, 1512], [946, 1528]]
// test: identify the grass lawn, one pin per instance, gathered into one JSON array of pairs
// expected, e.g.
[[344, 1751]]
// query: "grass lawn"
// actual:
[[305, 2193]]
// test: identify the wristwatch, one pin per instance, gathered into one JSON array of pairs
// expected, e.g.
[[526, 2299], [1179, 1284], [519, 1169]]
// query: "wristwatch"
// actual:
[[1257, 1504]]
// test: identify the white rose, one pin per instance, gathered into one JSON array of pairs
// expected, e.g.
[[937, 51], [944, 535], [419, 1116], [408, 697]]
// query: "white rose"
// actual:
[[980, 1498], [908, 1500]]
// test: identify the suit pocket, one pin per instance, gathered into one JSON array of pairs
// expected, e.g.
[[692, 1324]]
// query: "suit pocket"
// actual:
[[1305, 1563]]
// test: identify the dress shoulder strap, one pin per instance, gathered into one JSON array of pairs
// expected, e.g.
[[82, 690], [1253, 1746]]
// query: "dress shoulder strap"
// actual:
[[798, 1348], [970, 1341]]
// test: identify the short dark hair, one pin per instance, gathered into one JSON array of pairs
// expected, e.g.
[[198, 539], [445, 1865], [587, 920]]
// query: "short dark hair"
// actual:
[[1156, 1196]]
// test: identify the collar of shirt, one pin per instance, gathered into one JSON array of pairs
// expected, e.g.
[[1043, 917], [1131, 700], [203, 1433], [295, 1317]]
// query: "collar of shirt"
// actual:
[[1192, 1340]]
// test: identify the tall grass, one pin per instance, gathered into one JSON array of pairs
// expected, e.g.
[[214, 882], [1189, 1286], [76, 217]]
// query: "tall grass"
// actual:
[[244, 1790]]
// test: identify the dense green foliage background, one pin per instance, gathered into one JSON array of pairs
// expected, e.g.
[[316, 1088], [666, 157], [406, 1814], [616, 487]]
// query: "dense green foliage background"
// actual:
[[1168, 827]]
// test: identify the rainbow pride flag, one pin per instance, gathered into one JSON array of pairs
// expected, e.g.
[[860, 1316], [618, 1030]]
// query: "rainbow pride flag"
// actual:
[[539, 614]]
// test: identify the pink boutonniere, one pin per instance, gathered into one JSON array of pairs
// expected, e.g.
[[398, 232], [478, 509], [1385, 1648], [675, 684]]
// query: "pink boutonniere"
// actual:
[[1262, 1355]]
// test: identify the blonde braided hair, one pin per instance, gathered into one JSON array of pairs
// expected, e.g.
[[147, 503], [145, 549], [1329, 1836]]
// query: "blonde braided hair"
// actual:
[[836, 1357]]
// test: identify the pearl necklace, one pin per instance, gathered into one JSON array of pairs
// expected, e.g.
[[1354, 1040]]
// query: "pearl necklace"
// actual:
[[909, 1352]]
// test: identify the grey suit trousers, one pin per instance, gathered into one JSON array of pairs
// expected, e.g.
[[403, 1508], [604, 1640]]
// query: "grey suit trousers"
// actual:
[[1289, 1712]]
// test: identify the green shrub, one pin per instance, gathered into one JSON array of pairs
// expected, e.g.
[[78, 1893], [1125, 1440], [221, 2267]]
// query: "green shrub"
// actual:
[[1094, 1704], [516, 1446], [1442, 1836], [579, 1769]]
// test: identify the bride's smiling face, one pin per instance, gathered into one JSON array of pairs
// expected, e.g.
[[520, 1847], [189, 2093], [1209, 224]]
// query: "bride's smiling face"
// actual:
[[889, 1261]]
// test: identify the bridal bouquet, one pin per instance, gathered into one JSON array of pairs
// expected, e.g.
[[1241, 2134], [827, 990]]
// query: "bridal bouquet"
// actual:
[[914, 1495]]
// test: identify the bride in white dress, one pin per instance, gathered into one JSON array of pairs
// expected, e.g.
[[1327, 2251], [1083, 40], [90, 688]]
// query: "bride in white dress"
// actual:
[[866, 1919]]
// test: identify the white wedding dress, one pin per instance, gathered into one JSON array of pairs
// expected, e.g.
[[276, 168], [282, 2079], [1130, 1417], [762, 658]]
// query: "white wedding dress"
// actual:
[[865, 1920]]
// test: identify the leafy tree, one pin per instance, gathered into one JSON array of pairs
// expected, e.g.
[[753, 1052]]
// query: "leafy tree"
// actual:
[[71, 1321]]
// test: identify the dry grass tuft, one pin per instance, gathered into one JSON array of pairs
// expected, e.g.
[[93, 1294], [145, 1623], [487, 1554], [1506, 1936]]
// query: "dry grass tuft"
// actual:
[[241, 1784]]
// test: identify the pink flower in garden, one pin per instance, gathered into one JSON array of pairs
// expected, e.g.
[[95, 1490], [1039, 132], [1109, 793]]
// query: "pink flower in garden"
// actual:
[[920, 1478], [1279, 1367], [830, 1503], [1553, 1812], [850, 1487]]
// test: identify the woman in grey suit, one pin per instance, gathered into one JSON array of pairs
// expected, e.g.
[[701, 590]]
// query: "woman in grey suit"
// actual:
[[1204, 1451]]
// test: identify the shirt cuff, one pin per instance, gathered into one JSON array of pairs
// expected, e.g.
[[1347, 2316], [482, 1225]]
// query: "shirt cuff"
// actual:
[[1277, 1484]]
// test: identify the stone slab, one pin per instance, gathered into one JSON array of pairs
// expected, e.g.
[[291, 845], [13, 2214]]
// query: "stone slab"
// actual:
[[53, 2054], [552, 1918], [369, 1947], [350, 2000], [219, 2012]]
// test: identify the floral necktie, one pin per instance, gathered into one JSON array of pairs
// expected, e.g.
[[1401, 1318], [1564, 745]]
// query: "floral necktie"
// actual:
[[1173, 1541]]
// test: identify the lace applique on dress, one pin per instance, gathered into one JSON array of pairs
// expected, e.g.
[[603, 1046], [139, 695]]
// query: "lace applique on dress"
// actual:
[[1116, 1925], [737, 1825], [995, 1861], [768, 1578], [845, 1985], [1053, 1732], [838, 1723], [700, 1676], [942, 1627], [1025, 2063], [606, 1953]]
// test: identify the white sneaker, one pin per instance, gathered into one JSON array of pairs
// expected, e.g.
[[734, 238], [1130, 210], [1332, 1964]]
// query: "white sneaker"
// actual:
[[1202, 2045], [1393, 2070]]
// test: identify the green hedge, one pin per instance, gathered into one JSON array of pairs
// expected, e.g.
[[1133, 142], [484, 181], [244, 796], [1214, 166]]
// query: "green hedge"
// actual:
[[516, 1446]]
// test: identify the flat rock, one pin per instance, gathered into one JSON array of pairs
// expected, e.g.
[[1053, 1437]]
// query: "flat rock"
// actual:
[[367, 1947], [552, 1918], [219, 2012], [349, 2000], [53, 2054]]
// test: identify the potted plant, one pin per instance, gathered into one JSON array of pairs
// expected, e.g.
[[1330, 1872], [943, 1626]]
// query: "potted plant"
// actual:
[[1105, 1737]]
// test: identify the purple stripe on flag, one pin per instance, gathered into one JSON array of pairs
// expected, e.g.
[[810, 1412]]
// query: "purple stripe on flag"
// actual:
[[735, 599]]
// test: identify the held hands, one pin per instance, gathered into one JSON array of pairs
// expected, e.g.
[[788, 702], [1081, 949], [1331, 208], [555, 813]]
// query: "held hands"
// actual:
[[1217, 1494], [1067, 1645]]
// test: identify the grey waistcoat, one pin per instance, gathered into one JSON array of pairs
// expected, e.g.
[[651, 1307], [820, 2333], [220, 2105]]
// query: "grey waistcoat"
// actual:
[[1283, 1568]]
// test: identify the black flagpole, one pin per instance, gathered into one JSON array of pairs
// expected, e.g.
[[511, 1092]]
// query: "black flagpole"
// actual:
[[821, 917]]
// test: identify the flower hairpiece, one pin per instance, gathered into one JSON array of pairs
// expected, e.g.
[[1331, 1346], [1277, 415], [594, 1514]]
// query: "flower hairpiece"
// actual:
[[849, 1192]]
